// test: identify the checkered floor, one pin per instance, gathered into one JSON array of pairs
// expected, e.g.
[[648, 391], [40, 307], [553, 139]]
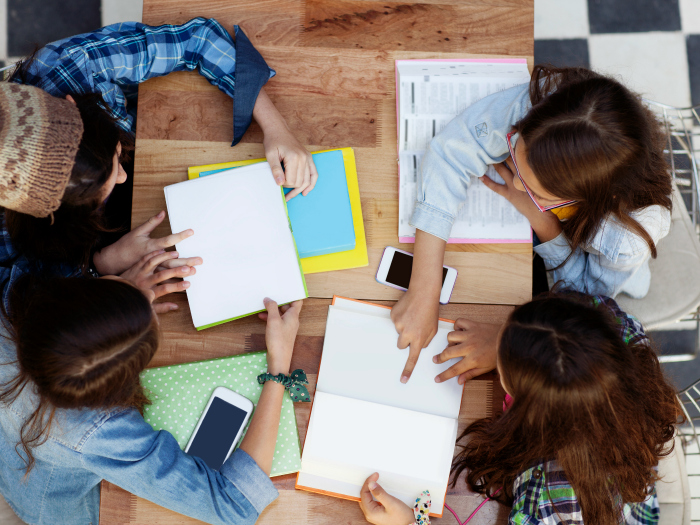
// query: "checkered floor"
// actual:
[[26, 24], [652, 45]]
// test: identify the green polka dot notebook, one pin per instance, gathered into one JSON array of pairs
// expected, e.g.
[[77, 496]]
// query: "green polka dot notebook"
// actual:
[[179, 393]]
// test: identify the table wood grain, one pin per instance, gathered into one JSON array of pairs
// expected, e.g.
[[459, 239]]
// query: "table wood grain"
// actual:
[[335, 87]]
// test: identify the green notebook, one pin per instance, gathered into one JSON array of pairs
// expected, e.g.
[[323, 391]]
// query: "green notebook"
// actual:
[[179, 394]]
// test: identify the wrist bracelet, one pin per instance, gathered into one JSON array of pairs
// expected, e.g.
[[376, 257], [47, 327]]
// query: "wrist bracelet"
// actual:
[[294, 383]]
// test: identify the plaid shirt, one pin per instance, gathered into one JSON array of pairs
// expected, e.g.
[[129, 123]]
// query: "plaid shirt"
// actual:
[[543, 496], [115, 59]]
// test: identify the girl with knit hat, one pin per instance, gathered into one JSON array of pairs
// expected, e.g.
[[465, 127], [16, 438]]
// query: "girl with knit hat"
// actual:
[[59, 159]]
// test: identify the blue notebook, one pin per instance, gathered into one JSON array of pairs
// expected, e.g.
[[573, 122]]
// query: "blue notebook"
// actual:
[[321, 221]]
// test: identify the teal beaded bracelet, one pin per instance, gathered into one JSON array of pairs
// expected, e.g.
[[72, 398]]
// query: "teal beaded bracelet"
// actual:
[[294, 382]]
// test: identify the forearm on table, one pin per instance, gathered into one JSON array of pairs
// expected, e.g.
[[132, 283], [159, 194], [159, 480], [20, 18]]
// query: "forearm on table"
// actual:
[[261, 438], [266, 114], [428, 257]]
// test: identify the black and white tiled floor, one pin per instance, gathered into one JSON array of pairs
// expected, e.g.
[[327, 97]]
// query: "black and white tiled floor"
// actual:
[[25, 24], [652, 45]]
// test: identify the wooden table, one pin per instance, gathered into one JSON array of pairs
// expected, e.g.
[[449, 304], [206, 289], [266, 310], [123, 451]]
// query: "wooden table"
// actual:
[[335, 87]]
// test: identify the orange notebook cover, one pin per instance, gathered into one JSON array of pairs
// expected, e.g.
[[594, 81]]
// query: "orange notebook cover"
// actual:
[[365, 309]]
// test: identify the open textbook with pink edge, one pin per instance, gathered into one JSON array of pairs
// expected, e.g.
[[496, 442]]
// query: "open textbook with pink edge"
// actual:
[[430, 93]]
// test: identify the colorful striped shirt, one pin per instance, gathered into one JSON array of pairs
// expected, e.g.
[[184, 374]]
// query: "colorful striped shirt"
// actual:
[[543, 496]]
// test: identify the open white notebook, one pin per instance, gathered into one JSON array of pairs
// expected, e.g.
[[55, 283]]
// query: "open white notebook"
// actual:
[[365, 420], [242, 233]]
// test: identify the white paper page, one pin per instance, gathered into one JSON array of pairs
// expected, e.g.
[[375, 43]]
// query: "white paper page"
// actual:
[[343, 303], [430, 96], [347, 440], [361, 361], [242, 233]]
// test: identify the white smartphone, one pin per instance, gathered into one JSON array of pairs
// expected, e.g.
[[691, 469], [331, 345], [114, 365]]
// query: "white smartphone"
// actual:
[[395, 271], [220, 427]]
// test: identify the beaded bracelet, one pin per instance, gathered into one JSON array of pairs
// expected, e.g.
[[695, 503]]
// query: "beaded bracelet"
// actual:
[[294, 382]]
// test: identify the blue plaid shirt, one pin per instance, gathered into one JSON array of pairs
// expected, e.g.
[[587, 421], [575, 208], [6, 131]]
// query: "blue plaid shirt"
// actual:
[[114, 60]]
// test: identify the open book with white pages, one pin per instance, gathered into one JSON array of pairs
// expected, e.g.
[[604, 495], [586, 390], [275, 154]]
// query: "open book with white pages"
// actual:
[[242, 233], [429, 94], [364, 420]]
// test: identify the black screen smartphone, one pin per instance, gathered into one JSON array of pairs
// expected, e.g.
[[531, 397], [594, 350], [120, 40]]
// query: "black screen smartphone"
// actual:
[[216, 432], [399, 273]]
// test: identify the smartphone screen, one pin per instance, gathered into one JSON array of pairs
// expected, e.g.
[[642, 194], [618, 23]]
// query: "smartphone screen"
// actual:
[[217, 432], [399, 272]]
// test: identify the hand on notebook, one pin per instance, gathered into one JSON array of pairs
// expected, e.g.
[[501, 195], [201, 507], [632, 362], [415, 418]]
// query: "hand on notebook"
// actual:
[[280, 333], [477, 345], [380, 508], [416, 319], [144, 275], [127, 251], [415, 315], [281, 147]]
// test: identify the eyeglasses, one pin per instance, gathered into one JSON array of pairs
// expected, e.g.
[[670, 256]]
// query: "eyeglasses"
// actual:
[[529, 192]]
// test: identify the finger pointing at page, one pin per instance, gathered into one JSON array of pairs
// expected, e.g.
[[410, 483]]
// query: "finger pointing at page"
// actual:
[[413, 353]]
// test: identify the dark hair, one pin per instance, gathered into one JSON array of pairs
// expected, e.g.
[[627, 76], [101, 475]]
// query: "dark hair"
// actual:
[[591, 139], [575, 384], [81, 343], [73, 231]]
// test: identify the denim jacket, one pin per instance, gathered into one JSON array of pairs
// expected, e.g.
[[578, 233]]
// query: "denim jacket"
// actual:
[[86, 446], [615, 261]]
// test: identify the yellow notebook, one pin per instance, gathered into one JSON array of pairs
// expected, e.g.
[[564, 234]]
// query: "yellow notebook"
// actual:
[[332, 261]]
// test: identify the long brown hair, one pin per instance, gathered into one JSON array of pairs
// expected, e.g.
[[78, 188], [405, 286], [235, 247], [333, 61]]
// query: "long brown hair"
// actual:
[[73, 231], [591, 139], [581, 396], [81, 343]]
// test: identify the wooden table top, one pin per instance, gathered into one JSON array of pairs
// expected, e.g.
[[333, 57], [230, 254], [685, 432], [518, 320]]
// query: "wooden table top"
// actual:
[[335, 87]]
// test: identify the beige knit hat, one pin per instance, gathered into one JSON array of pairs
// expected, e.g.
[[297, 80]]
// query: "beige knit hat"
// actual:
[[39, 138]]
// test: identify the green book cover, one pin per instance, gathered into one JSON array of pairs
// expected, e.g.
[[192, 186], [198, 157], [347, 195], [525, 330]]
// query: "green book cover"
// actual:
[[179, 393]]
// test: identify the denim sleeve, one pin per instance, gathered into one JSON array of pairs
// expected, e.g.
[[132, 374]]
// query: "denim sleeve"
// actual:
[[593, 273], [464, 148], [615, 262], [590, 273], [126, 451]]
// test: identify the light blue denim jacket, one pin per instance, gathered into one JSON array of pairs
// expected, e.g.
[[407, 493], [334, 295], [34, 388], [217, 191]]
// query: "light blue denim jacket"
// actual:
[[86, 446], [615, 261]]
